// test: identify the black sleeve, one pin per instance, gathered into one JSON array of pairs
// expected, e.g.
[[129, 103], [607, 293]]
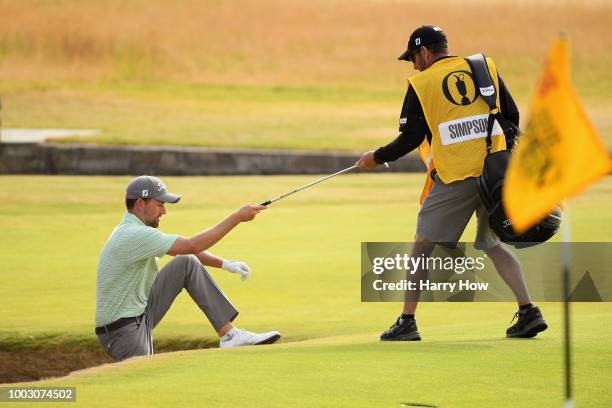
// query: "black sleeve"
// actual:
[[509, 110], [413, 129]]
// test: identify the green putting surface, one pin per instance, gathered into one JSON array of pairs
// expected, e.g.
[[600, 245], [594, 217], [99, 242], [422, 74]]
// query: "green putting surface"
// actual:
[[463, 361], [304, 253]]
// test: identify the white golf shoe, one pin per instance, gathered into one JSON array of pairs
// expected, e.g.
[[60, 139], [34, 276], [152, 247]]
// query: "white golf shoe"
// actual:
[[240, 337]]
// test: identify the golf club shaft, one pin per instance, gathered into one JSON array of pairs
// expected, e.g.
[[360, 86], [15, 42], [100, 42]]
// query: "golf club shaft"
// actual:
[[308, 185]]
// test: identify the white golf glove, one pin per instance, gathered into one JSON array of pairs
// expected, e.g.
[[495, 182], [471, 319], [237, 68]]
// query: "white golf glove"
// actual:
[[237, 267]]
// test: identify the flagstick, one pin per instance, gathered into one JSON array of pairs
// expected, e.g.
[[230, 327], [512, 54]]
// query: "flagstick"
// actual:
[[567, 236], [566, 308]]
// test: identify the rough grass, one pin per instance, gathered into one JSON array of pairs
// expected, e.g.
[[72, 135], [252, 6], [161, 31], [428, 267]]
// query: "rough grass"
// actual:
[[306, 74], [272, 42]]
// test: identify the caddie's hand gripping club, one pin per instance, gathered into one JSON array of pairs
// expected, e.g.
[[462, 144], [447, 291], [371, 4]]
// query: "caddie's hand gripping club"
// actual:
[[270, 201]]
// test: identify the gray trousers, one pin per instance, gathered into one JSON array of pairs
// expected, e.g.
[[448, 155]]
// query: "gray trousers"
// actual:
[[184, 271]]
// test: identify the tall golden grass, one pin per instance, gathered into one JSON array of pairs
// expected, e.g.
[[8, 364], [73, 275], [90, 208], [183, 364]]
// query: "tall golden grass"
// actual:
[[279, 42]]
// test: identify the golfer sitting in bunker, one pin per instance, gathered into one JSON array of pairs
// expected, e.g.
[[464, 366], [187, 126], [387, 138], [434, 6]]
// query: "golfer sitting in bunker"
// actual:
[[133, 294]]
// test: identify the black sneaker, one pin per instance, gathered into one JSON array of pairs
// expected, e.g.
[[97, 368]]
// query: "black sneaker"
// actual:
[[530, 322], [402, 330]]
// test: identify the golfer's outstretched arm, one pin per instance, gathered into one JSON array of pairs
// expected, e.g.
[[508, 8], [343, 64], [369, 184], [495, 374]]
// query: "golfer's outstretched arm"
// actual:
[[205, 239]]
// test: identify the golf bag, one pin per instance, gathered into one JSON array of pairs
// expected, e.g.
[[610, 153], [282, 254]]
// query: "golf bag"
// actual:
[[491, 182]]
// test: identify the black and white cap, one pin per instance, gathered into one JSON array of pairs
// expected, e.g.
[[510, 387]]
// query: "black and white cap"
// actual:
[[150, 187], [424, 35]]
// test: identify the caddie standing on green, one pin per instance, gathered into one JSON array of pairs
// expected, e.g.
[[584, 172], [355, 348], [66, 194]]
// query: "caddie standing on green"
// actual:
[[133, 294], [440, 103]]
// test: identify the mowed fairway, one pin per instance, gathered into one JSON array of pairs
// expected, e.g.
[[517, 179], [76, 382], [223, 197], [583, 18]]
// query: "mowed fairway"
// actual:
[[304, 252]]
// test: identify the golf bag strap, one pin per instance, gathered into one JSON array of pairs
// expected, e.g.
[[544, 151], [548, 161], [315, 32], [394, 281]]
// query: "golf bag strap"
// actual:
[[486, 89]]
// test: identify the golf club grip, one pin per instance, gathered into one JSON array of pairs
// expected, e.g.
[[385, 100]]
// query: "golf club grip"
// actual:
[[266, 203]]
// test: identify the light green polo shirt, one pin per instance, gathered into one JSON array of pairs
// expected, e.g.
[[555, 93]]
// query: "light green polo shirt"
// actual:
[[128, 265]]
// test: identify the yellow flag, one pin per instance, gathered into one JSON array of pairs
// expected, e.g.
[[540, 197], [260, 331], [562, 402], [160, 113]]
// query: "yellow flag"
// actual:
[[559, 153]]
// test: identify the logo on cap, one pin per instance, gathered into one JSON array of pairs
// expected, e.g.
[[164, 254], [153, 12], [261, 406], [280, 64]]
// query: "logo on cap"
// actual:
[[160, 186], [417, 41], [145, 193]]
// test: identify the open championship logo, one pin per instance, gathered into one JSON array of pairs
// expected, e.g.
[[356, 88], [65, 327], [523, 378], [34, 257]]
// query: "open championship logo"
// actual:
[[459, 88]]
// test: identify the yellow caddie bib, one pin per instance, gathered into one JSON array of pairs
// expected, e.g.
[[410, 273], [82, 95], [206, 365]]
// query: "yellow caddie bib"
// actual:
[[457, 117]]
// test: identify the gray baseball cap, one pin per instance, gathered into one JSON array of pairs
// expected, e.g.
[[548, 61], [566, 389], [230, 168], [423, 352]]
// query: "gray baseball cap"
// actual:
[[150, 187]]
